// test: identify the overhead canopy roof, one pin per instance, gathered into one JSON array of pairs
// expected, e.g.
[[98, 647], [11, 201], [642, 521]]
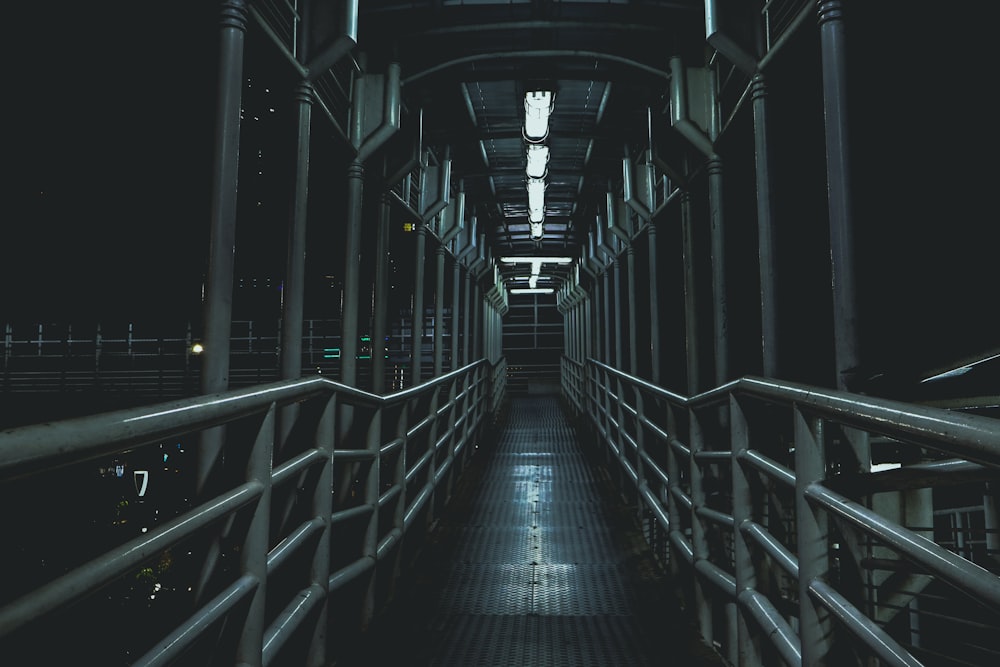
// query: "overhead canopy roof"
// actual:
[[466, 67]]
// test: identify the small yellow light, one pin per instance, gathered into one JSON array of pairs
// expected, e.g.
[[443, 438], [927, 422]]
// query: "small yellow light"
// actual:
[[197, 348], [408, 226]]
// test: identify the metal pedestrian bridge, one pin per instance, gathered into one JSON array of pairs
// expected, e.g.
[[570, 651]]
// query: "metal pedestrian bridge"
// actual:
[[630, 332], [451, 524]]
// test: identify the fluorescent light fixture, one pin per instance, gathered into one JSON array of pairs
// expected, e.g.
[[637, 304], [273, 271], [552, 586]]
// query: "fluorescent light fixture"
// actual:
[[531, 290], [536, 216], [537, 230], [536, 193], [532, 260], [537, 108], [538, 160]]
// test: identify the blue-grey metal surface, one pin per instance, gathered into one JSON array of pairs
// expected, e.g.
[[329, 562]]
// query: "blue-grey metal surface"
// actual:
[[539, 568]]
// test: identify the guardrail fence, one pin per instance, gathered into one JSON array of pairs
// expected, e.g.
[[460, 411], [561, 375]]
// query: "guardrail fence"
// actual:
[[808, 526], [249, 527]]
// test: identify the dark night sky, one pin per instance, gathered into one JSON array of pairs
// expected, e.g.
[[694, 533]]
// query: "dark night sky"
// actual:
[[107, 131]]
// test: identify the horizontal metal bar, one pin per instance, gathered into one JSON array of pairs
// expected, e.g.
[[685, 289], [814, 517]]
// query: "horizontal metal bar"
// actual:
[[418, 465], [965, 575], [350, 572], [681, 497], [713, 456], [104, 569], [389, 494], [769, 467], [287, 470], [682, 545], [715, 516], [718, 577], [652, 466], [862, 627], [391, 446], [655, 506], [173, 645], [388, 542], [287, 623], [351, 513], [416, 505], [774, 548], [775, 627], [291, 543]]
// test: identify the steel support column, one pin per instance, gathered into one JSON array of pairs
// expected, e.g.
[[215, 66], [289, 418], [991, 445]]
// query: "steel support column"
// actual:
[[839, 191], [439, 312], [467, 316], [654, 308], [456, 289], [417, 326], [380, 328], [720, 313], [222, 240], [690, 296], [293, 290], [765, 231]]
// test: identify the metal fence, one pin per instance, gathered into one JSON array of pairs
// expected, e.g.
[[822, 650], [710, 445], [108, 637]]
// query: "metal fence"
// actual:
[[807, 526], [307, 501]]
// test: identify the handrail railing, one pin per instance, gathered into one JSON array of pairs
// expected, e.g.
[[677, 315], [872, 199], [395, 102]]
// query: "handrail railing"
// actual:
[[774, 495], [327, 508]]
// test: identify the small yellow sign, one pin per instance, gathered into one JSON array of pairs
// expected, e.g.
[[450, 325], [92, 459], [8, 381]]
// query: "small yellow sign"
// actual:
[[409, 226]]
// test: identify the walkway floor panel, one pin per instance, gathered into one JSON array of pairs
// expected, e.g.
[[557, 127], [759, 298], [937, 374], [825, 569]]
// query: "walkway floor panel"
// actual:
[[532, 567]]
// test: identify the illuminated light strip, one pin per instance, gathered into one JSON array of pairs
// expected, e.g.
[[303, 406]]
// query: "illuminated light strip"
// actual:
[[532, 260], [531, 290]]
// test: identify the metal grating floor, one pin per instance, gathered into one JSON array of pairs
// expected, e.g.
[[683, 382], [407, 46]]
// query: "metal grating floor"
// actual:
[[536, 570]]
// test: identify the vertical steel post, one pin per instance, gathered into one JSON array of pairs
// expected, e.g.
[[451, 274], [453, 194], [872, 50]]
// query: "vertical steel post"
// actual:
[[372, 489], [699, 533], [765, 230], [747, 648], [633, 368], [476, 326], [720, 313], [322, 509], [606, 314], [222, 240], [654, 307], [253, 555], [352, 275], [467, 316], [293, 290], [417, 328], [839, 191], [380, 328], [456, 289], [221, 252], [690, 296], [815, 624], [439, 313]]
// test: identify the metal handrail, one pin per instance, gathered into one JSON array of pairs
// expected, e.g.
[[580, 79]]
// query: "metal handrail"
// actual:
[[669, 447], [452, 408]]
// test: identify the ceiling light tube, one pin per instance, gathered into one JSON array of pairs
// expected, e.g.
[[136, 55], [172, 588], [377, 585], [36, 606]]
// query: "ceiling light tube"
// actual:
[[531, 290], [532, 260], [536, 194], [538, 160], [537, 108]]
